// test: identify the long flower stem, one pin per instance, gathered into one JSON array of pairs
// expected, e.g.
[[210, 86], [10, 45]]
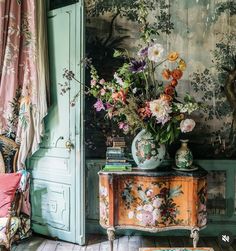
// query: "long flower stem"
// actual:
[[146, 80], [160, 63], [153, 73]]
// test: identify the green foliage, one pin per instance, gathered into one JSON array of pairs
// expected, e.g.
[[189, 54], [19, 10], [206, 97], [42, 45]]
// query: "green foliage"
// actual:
[[135, 10], [229, 6]]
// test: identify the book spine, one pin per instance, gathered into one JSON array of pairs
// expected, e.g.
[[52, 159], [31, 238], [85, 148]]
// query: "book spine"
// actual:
[[116, 166], [117, 169], [118, 139], [116, 161], [115, 149], [119, 145], [119, 164], [115, 155]]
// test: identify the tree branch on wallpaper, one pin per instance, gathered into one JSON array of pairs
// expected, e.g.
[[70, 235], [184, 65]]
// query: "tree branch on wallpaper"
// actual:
[[230, 93]]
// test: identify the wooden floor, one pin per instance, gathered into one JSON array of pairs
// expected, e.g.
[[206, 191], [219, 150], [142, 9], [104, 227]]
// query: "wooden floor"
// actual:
[[124, 243]]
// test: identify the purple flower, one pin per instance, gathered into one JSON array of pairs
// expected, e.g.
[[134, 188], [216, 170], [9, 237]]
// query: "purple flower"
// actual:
[[137, 66], [108, 105], [143, 52], [99, 105]]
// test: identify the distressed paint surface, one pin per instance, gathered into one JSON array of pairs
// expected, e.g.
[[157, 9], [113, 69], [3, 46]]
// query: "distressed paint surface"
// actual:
[[221, 196], [152, 204], [57, 172], [204, 32]]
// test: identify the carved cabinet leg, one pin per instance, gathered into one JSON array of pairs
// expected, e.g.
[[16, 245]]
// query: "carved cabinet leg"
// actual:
[[195, 235], [111, 237]]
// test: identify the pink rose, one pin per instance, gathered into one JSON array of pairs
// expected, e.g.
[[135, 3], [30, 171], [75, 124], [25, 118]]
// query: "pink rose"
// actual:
[[93, 82], [147, 218], [157, 202], [149, 192], [124, 127], [187, 125], [102, 81], [99, 105], [102, 92]]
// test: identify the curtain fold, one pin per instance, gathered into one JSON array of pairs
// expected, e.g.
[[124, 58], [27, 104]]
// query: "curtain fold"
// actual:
[[24, 77]]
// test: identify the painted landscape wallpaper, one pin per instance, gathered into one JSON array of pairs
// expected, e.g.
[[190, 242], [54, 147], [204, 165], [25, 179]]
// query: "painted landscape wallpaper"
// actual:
[[203, 32]]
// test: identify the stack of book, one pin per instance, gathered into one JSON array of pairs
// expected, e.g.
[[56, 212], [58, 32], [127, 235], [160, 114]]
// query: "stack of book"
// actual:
[[115, 157]]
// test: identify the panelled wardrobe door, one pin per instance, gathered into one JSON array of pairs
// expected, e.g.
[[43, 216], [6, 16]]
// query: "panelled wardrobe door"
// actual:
[[57, 191]]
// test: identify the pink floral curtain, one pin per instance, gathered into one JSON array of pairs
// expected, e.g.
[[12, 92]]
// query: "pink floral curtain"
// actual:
[[23, 73]]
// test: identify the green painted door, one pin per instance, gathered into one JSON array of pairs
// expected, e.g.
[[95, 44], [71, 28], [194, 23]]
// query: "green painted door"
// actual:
[[57, 191]]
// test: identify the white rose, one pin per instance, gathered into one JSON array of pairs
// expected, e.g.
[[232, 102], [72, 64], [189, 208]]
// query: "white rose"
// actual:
[[157, 202], [155, 52], [148, 207], [131, 215], [187, 125], [139, 208], [139, 217], [156, 214]]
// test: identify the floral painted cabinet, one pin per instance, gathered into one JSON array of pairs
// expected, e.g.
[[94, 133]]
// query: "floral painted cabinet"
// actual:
[[153, 201]]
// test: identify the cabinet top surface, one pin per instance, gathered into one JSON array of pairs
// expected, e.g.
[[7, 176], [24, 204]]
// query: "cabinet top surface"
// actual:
[[166, 171]]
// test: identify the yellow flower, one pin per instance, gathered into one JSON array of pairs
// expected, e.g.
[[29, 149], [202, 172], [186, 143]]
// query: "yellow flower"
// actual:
[[173, 56], [182, 65], [180, 117]]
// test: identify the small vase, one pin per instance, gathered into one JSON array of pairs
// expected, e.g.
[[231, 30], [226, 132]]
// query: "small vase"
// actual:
[[146, 152], [184, 157]]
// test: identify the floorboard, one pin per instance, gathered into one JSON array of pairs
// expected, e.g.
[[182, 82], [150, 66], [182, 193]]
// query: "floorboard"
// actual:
[[122, 243]]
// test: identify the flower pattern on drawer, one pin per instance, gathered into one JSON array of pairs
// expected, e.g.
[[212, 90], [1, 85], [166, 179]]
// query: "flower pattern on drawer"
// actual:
[[202, 209], [104, 205], [151, 208]]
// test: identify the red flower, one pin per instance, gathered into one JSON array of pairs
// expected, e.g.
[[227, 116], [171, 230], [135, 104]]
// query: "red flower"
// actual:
[[169, 90], [177, 74], [174, 82]]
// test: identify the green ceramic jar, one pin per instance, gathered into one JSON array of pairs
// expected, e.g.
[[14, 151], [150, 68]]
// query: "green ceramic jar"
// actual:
[[184, 157]]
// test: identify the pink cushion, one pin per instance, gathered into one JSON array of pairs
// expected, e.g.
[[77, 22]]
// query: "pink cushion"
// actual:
[[8, 184]]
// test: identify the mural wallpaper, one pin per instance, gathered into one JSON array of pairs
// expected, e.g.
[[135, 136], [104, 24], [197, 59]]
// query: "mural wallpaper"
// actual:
[[200, 30]]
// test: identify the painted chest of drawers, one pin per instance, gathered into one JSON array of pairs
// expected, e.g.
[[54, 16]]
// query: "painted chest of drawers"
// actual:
[[153, 201]]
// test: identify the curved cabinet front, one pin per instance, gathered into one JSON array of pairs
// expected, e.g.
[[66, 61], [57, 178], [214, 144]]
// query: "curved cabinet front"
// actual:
[[153, 201]]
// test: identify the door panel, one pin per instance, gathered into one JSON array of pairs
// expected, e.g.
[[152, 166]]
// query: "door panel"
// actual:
[[57, 192]]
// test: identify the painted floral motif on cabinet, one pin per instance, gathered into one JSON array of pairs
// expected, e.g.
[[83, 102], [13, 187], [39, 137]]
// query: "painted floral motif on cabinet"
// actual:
[[202, 204], [104, 205], [152, 205]]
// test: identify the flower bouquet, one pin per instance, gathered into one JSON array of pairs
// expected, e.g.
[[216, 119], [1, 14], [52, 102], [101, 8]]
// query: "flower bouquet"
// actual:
[[142, 96], [137, 98]]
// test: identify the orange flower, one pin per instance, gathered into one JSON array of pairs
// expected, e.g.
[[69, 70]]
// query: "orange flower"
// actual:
[[120, 95], [173, 56], [169, 90], [144, 111], [166, 97], [177, 74], [182, 65], [166, 74], [174, 82], [115, 96]]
